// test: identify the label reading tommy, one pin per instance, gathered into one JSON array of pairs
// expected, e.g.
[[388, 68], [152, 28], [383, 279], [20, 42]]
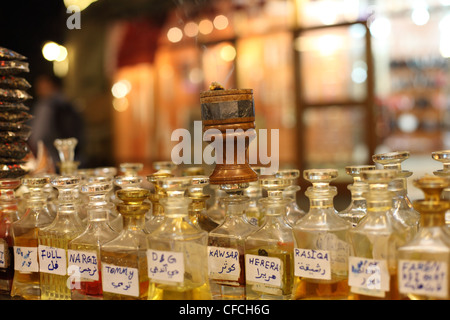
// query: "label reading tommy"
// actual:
[[261, 269], [120, 280], [313, 264]]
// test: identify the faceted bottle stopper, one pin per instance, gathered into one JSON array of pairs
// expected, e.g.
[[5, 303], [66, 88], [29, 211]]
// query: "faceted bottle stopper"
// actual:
[[67, 188], [432, 187], [130, 168], [393, 160], [175, 187], [288, 174], [378, 178], [356, 171], [442, 156], [320, 177], [275, 186], [198, 183], [35, 183], [133, 201], [66, 149], [164, 167], [128, 181]]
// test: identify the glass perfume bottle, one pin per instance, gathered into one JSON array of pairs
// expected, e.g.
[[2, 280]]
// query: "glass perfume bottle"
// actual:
[[403, 208], [25, 232], [253, 212], [322, 243], [294, 213], [376, 239], [197, 207], [54, 239], [157, 194], [8, 214], [424, 262], [66, 152], [226, 250], [269, 250], [123, 259], [357, 208], [177, 250], [83, 253], [217, 210], [443, 156]]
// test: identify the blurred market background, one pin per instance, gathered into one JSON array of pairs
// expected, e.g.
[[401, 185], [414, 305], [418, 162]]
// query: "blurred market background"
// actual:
[[340, 79]]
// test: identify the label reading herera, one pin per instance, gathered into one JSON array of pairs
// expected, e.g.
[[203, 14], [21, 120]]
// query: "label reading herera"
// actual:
[[223, 263], [261, 269], [428, 278]]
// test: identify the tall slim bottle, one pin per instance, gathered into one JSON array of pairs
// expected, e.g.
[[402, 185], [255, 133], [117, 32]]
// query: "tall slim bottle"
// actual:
[[269, 250], [226, 250], [83, 253], [177, 250], [123, 259], [54, 240], [156, 194], [357, 208], [322, 243], [25, 232], [9, 213], [424, 262], [376, 239]]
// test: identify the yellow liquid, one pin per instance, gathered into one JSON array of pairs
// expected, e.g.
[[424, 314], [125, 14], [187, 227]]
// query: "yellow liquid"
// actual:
[[130, 260], [26, 284], [54, 286], [392, 294], [261, 291], [187, 292], [311, 289]]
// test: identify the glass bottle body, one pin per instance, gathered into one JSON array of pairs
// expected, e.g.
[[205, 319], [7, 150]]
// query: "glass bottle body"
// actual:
[[8, 214], [269, 255], [217, 210], [184, 246], [84, 250], [226, 250], [26, 283], [123, 259], [54, 239], [294, 213]]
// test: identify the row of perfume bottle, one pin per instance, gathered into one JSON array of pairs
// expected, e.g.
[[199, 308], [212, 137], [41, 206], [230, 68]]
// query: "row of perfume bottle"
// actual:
[[176, 251]]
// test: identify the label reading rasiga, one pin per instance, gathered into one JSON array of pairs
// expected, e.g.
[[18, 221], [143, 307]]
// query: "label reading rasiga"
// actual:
[[313, 264]]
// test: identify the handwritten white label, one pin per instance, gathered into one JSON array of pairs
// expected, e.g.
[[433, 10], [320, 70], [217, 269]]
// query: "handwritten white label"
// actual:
[[261, 269], [52, 260], [369, 274], [26, 259], [223, 263], [85, 262], [313, 264], [120, 280], [3, 254], [429, 278], [165, 266]]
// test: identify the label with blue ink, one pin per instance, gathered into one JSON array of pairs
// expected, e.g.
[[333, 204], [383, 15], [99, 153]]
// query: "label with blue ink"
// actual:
[[165, 266], [223, 263], [26, 259], [312, 264], [421, 277], [52, 260], [85, 262], [262, 269], [368, 276], [120, 280]]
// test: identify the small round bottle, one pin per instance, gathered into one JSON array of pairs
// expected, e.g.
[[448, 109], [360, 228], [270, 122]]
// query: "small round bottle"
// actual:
[[177, 250], [84, 251], [226, 250], [403, 208], [294, 213], [376, 239], [322, 243], [424, 262], [268, 250], [357, 208], [54, 240], [25, 233], [123, 259]]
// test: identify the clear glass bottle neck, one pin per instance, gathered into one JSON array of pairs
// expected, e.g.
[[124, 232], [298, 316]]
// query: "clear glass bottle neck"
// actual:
[[133, 222], [321, 196]]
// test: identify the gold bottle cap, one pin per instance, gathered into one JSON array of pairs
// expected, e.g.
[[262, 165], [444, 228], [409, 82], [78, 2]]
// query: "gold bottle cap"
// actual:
[[132, 195]]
